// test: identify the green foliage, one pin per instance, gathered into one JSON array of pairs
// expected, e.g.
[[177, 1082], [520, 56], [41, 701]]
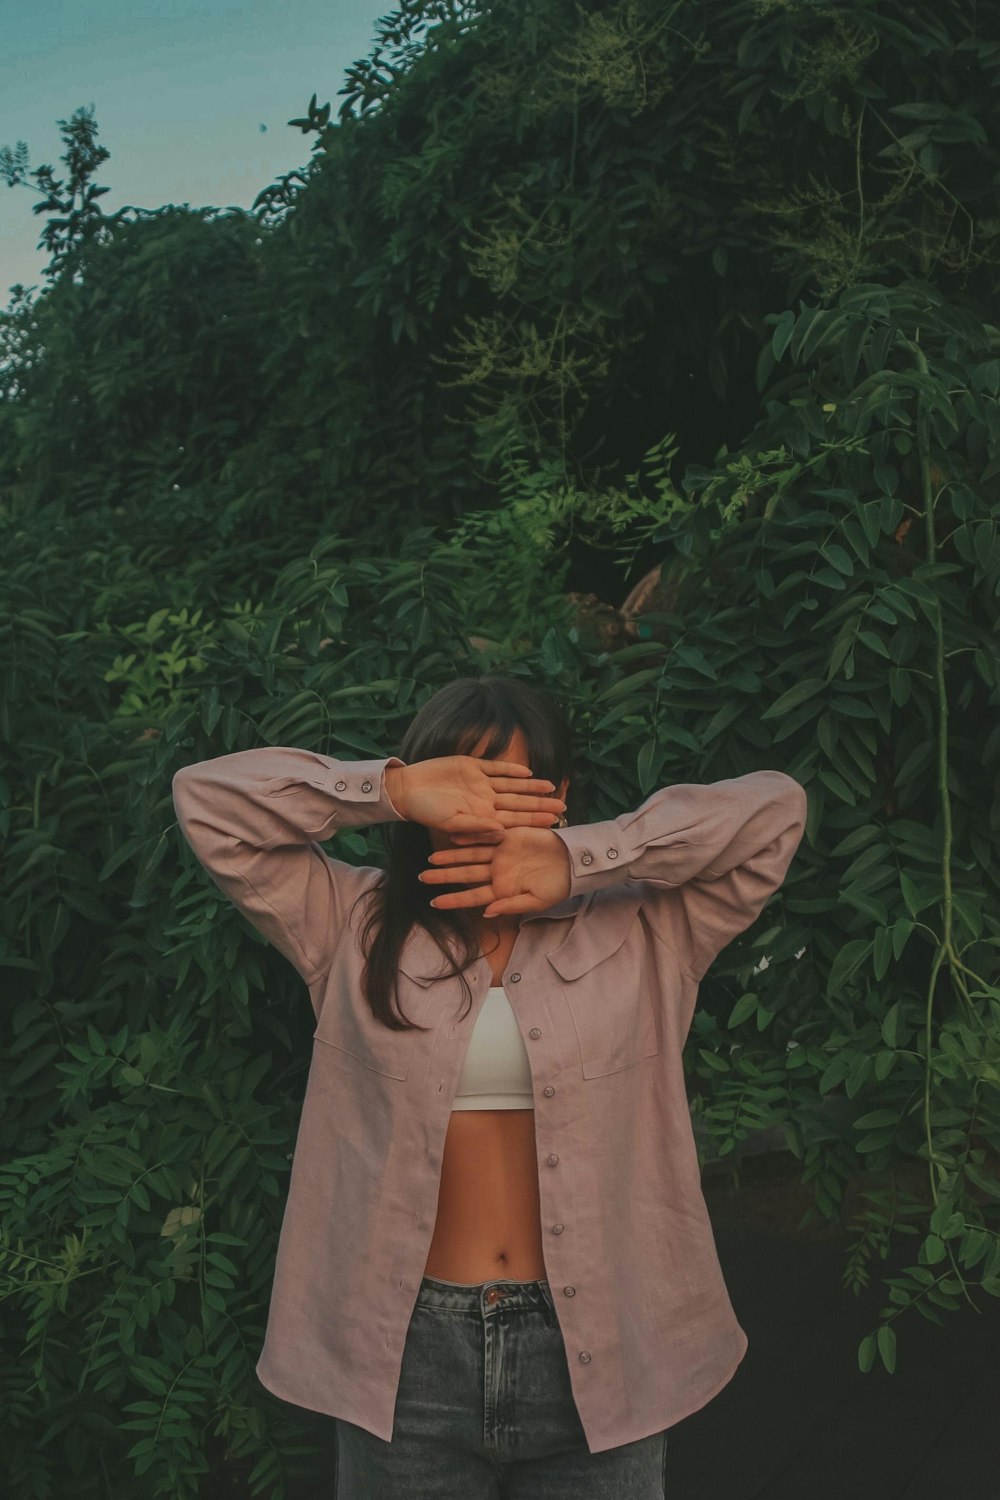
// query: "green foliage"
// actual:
[[224, 527]]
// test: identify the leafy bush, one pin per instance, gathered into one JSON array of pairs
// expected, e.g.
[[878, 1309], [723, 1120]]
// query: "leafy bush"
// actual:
[[293, 530]]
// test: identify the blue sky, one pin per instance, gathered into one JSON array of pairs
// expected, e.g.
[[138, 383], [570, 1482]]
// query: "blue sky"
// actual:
[[180, 89]]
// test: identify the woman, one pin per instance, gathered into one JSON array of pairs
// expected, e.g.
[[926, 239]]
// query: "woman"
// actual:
[[495, 1264]]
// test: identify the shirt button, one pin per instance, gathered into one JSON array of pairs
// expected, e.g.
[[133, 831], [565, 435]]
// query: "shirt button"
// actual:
[[514, 978], [534, 1032], [340, 786], [553, 1159], [569, 1291], [612, 853], [585, 1356], [557, 1229], [366, 786], [548, 1091], [586, 859]]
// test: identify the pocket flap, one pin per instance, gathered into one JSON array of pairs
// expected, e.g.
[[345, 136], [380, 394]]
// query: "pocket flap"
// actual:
[[598, 931]]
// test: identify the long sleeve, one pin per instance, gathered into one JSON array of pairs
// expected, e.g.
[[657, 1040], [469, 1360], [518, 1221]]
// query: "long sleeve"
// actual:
[[252, 819], [716, 852]]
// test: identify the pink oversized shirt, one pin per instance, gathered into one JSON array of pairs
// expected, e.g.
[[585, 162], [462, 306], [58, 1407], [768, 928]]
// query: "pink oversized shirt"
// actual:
[[603, 987]]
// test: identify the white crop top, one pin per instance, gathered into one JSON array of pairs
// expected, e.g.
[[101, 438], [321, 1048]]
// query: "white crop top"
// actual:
[[496, 1073]]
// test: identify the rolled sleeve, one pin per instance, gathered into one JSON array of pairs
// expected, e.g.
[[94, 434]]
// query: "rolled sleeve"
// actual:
[[708, 856], [255, 819]]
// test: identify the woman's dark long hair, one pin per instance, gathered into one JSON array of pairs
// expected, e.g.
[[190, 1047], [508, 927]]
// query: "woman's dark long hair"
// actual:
[[450, 723]]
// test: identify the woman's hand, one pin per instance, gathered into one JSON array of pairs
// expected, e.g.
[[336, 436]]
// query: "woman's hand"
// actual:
[[528, 871], [471, 800]]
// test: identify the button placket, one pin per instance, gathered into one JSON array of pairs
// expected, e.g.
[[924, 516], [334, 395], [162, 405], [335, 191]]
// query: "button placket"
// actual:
[[552, 1158]]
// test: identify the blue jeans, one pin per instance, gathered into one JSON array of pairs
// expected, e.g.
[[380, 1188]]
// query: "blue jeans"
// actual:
[[485, 1410]]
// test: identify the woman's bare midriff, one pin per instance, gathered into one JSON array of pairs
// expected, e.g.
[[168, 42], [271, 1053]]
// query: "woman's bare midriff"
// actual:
[[488, 1222]]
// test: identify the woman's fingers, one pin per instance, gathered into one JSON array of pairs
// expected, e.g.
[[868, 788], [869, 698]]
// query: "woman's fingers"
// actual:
[[506, 786], [458, 873], [512, 906], [520, 812], [461, 856], [528, 819], [501, 767], [479, 896], [515, 803], [520, 777], [493, 836]]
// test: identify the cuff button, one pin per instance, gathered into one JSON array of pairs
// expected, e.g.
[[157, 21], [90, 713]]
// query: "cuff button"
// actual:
[[340, 786], [586, 859], [612, 853], [366, 786]]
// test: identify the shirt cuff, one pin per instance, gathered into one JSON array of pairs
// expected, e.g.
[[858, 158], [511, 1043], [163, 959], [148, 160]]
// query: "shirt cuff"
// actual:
[[598, 855], [363, 782]]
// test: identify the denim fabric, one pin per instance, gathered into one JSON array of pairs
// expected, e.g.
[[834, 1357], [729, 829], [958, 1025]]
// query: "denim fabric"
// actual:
[[485, 1410]]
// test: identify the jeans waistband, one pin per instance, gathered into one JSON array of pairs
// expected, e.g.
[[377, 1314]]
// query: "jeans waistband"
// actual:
[[484, 1296]]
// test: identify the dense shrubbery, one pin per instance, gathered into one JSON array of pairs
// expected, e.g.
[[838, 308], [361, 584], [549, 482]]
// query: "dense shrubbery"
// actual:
[[241, 504]]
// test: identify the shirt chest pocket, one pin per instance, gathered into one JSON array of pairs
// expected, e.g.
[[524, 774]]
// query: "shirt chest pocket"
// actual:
[[604, 980]]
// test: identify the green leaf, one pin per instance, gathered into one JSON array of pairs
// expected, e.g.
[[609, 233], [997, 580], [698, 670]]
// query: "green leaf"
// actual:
[[744, 1007], [983, 1180], [629, 683], [839, 557], [891, 1024], [876, 1118], [790, 699], [911, 896], [649, 763], [838, 785], [845, 965], [97, 1042]]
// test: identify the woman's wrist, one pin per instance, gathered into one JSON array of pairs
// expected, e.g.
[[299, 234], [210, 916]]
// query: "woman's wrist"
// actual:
[[393, 783]]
